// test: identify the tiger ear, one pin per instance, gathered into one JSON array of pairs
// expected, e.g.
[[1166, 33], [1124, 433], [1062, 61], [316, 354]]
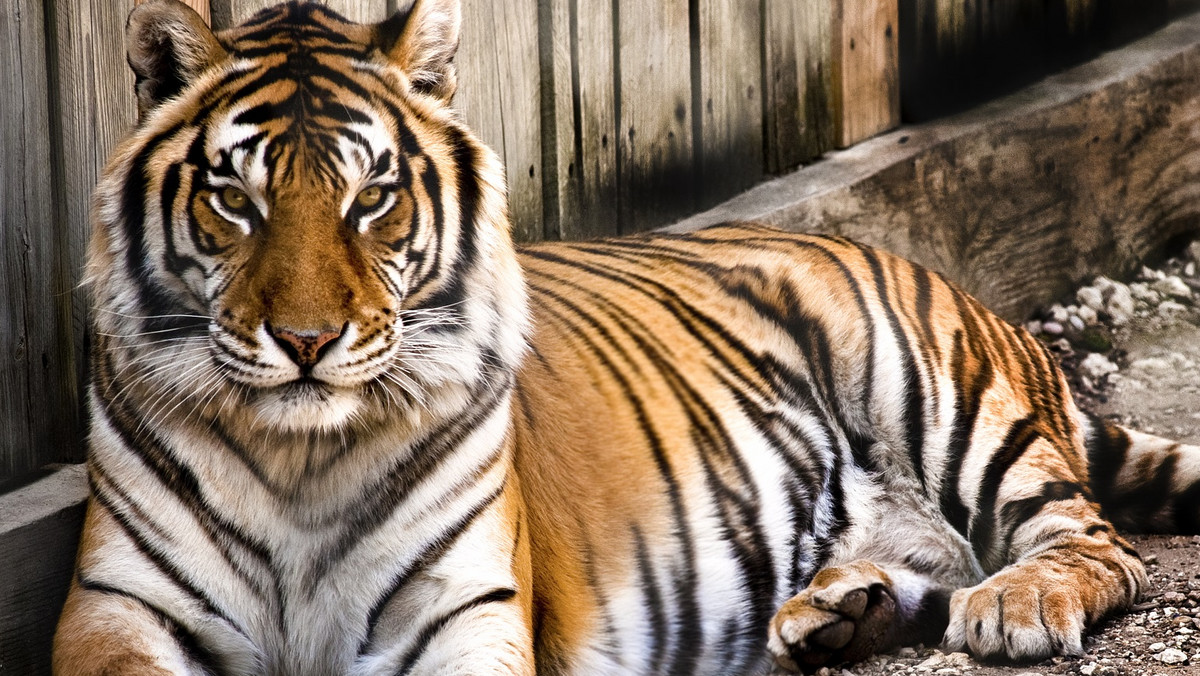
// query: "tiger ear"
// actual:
[[169, 45], [422, 42]]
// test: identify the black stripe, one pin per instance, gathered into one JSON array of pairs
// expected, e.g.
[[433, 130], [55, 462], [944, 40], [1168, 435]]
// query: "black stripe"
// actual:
[[652, 597], [432, 629], [1021, 434], [189, 643], [914, 410], [433, 552]]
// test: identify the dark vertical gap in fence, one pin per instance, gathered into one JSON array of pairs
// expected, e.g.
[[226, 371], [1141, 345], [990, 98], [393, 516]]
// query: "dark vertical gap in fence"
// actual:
[[581, 173], [622, 226], [551, 213], [697, 102]]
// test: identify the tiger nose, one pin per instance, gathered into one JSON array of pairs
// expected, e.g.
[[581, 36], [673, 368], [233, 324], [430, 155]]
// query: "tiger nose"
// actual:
[[305, 347]]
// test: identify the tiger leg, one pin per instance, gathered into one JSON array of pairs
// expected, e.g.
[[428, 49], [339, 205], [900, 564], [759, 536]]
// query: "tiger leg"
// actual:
[[888, 582], [1061, 566]]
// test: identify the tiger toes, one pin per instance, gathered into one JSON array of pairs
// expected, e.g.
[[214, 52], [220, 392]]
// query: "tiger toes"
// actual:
[[1015, 615], [843, 615]]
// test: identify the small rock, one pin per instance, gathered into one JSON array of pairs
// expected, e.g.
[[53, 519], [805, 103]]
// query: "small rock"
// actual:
[[1169, 308], [1088, 669], [1077, 323], [1171, 656], [1105, 285], [1193, 250], [1143, 293], [1120, 305], [1158, 647], [1173, 598], [1052, 328], [1090, 297], [1034, 326], [1095, 366], [1088, 315], [1172, 286], [1189, 270], [1059, 313]]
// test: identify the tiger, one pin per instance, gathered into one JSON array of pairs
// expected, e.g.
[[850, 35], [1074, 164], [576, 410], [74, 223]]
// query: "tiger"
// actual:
[[341, 424]]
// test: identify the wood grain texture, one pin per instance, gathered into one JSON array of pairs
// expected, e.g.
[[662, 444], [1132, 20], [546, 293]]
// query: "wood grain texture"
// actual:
[[94, 108], [40, 526], [580, 129], [36, 378], [727, 97], [867, 76], [798, 77], [227, 13], [201, 6], [499, 96], [656, 170]]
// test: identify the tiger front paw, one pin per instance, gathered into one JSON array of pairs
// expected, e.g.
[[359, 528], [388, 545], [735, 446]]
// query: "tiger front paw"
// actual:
[[842, 616], [1011, 616]]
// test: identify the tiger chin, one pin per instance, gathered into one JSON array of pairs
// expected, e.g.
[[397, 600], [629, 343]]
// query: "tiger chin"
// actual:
[[340, 425]]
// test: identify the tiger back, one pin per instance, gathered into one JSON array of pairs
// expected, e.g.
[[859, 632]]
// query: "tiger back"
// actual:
[[340, 425]]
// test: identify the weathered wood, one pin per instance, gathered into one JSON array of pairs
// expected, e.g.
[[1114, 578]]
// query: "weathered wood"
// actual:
[[798, 77], [39, 528], [201, 7], [728, 98], [36, 377], [655, 163], [580, 125], [228, 13], [867, 77], [499, 96], [1088, 172]]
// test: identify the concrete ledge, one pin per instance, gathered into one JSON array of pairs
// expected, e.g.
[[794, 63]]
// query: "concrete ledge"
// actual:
[[40, 525], [1090, 171]]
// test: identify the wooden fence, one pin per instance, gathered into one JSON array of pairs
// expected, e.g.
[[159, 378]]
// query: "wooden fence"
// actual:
[[610, 117]]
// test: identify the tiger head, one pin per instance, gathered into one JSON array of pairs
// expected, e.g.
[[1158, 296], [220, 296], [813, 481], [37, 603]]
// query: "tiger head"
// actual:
[[299, 226]]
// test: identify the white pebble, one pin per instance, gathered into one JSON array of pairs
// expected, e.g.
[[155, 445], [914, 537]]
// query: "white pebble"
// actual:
[[1059, 313], [1119, 305], [1088, 669], [1190, 269], [1052, 328], [1077, 323], [1171, 656], [1169, 307], [1157, 647], [1033, 326], [1142, 292], [1088, 315], [1090, 297], [1193, 250], [1096, 366], [1172, 286]]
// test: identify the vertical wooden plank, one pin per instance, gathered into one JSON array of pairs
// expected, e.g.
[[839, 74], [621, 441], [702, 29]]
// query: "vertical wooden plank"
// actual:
[[866, 82], [499, 97], [93, 108], [798, 76], [729, 101], [580, 135], [201, 7], [655, 156], [35, 336], [228, 13]]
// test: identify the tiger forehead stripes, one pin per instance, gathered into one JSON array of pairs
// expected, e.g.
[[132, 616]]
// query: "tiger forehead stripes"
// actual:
[[339, 425]]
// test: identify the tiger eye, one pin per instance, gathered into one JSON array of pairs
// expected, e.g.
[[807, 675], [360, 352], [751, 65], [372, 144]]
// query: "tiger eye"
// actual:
[[370, 197], [234, 199]]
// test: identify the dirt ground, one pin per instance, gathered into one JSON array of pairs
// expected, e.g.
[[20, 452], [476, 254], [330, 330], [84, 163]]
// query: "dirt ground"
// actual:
[[1157, 390]]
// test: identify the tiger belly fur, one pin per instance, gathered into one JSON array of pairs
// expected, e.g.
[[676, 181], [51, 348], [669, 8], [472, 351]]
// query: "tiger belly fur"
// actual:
[[339, 425]]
